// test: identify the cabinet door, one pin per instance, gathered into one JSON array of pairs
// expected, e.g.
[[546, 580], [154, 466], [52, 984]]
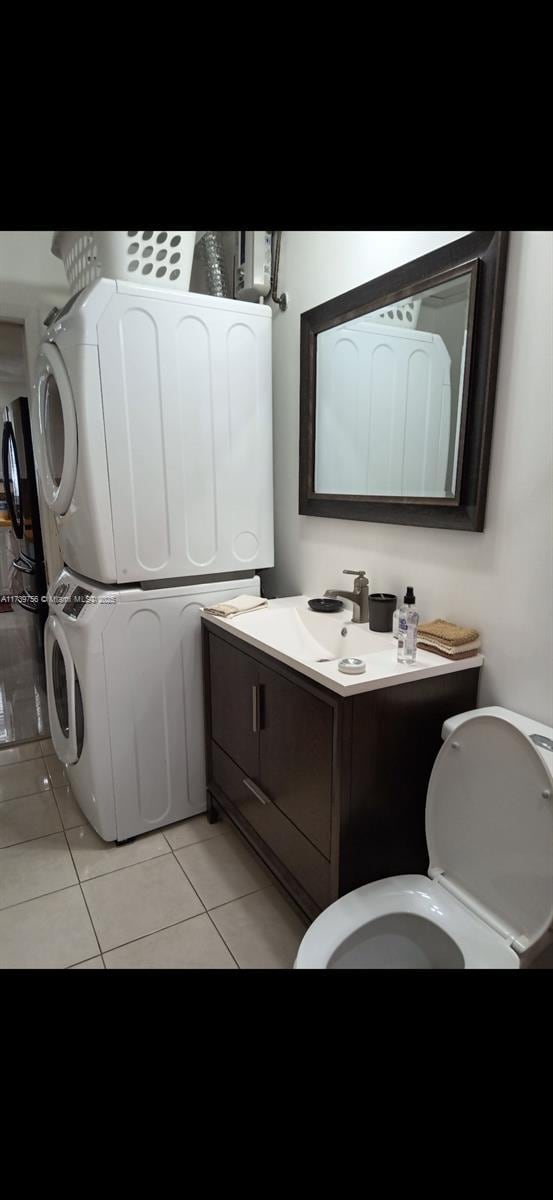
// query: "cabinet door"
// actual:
[[295, 755], [234, 704]]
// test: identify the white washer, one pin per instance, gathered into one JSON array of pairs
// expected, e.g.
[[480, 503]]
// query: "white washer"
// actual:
[[152, 427], [125, 698]]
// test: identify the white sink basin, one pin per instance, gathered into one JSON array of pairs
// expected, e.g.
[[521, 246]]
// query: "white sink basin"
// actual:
[[315, 637], [313, 643]]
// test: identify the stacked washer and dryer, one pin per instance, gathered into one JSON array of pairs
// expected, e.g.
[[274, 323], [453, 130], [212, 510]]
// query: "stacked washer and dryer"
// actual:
[[153, 436]]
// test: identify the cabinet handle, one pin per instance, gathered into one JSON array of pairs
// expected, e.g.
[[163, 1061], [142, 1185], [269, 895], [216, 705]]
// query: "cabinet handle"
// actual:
[[256, 791], [254, 709]]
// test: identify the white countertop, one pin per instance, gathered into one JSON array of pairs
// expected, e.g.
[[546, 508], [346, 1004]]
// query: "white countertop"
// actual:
[[292, 639]]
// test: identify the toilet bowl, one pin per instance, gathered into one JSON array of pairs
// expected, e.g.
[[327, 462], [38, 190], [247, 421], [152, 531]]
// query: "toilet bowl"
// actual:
[[488, 896]]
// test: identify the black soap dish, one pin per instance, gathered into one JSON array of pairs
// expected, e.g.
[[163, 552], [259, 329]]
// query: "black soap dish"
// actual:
[[325, 604]]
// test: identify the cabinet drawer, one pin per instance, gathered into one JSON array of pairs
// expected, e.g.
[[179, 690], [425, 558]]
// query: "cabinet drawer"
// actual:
[[296, 853]]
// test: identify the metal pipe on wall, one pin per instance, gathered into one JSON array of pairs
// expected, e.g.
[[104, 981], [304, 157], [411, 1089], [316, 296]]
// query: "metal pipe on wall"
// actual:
[[214, 258]]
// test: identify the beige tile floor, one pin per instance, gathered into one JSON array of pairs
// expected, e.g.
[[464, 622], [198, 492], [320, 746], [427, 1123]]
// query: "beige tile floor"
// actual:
[[190, 896], [23, 704]]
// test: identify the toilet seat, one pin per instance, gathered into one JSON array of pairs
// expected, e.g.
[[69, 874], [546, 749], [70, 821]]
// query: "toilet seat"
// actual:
[[489, 825], [489, 891], [480, 946]]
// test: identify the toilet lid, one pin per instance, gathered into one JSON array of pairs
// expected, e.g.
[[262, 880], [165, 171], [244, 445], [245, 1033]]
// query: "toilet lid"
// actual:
[[489, 825]]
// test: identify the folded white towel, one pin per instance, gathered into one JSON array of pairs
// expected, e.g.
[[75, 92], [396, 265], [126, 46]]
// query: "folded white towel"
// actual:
[[233, 608]]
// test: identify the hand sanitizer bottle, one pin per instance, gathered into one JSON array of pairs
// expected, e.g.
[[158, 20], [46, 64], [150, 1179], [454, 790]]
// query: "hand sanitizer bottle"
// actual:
[[409, 600], [407, 629]]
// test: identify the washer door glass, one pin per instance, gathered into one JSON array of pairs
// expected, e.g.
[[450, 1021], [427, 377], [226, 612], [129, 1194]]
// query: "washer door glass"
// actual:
[[79, 716], [65, 707], [54, 428], [59, 682], [61, 698], [57, 429]]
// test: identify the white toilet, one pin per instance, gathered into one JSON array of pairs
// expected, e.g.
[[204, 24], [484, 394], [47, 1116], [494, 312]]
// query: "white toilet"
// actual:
[[488, 896]]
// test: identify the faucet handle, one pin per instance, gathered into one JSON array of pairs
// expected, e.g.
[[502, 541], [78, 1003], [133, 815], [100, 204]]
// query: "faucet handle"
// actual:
[[359, 573]]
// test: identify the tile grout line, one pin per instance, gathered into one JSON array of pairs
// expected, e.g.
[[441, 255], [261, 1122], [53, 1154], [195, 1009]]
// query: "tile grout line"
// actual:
[[113, 870], [182, 920], [189, 881], [84, 902], [225, 902], [223, 940], [87, 825], [38, 836], [69, 829], [172, 850], [121, 945], [80, 962], [153, 932], [19, 762], [42, 792], [50, 790], [217, 906], [201, 901], [172, 925], [198, 894], [41, 895], [15, 762], [46, 770]]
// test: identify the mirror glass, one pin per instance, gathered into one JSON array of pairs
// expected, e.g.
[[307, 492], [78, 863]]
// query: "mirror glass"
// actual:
[[390, 388]]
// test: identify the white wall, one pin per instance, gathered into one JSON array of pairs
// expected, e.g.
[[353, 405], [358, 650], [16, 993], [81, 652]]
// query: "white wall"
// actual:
[[501, 580], [29, 272]]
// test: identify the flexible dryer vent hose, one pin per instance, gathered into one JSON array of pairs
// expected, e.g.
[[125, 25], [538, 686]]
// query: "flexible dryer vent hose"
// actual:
[[212, 246]]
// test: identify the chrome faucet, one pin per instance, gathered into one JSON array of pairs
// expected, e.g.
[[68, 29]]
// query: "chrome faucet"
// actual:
[[359, 597]]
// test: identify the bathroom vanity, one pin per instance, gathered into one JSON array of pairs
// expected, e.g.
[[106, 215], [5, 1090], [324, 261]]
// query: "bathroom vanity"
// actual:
[[324, 774]]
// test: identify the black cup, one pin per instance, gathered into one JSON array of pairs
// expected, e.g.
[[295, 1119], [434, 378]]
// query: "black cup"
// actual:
[[382, 606]]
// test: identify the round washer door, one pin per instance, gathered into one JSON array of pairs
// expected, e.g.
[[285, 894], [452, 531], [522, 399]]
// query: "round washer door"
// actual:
[[489, 823], [60, 686], [57, 430]]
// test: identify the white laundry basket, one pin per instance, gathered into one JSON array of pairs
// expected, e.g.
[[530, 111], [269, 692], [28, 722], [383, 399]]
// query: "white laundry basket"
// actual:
[[159, 257], [403, 312]]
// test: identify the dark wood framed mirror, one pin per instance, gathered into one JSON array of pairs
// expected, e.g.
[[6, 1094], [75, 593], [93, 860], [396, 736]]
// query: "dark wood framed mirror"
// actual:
[[398, 387]]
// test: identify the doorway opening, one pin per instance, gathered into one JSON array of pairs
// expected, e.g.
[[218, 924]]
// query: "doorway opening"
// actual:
[[23, 607]]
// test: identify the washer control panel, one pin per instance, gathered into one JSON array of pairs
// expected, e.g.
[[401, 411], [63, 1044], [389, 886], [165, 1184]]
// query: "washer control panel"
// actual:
[[78, 599]]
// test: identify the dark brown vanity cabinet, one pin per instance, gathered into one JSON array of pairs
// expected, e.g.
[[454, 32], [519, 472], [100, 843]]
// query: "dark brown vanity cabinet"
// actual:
[[329, 791]]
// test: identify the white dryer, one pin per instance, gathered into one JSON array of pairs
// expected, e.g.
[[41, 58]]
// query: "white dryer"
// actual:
[[153, 433], [125, 698]]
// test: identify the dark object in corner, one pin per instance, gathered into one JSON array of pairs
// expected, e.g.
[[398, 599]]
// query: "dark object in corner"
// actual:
[[325, 604]]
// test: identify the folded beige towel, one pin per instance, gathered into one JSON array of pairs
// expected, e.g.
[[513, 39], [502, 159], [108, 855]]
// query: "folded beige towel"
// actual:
[[462, 652], [233, 608], [438, 645], [446, 631]]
